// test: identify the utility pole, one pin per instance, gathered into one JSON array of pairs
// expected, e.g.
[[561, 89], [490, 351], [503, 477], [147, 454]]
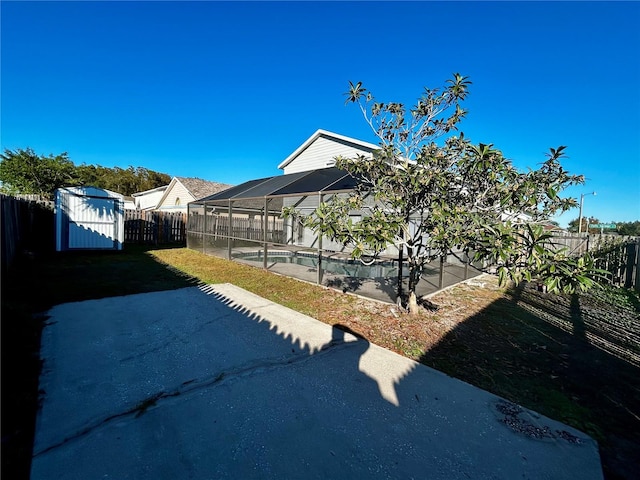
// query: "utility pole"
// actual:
[[582, 195]]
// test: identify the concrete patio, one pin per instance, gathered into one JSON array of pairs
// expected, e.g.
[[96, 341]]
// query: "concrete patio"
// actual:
[[215, 382]]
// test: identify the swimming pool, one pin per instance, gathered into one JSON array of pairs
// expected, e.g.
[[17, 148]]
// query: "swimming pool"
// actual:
[[346, 267]]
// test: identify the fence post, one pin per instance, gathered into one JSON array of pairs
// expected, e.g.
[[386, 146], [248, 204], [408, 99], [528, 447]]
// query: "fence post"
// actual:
[[183, 227], [637, 266], [632, 277], [141, 227], [230, 230], [160, 226]]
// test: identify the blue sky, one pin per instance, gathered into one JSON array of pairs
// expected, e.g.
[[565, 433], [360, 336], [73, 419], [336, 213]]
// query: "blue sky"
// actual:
[[226, 91]]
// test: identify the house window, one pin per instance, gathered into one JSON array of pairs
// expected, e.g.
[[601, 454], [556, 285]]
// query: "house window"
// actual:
[[177, 201]]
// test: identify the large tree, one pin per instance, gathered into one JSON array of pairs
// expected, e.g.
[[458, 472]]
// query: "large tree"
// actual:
[[431, 193], [24, 171], [628, 228]]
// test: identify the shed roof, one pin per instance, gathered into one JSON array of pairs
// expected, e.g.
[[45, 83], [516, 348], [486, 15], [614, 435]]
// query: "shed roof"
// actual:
[[314, 181], [89, 191]]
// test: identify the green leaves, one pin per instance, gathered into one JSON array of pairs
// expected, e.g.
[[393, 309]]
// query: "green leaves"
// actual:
[[431, 198], [534, 257], [459, 86], [24, 171], [355, 93]]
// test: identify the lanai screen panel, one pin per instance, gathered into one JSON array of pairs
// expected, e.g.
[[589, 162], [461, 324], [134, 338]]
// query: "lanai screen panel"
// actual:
[[319, 181], [233, 191], [252, 211], [266, 188]]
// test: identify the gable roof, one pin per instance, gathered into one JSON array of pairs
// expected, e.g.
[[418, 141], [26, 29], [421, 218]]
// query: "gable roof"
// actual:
[[199, 188], [330, 135]]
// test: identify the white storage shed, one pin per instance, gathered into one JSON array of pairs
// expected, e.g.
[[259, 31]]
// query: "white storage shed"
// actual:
[[89, 218]]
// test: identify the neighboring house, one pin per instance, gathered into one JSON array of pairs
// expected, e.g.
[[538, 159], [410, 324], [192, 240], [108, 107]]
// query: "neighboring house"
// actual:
[[310, 168], [182, 190], [148, 200], [129, 203], [320, 150], [554, 228]]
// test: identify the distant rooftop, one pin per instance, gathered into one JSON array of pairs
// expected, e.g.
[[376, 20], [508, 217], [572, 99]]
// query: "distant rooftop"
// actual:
[[200, 188]]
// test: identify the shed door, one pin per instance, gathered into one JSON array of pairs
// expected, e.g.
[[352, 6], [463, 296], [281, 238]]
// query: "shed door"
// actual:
[[92, 222]]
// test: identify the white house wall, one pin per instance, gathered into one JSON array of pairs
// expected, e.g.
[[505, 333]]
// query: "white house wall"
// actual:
[[176, 191], [321, 154], [148, 201]]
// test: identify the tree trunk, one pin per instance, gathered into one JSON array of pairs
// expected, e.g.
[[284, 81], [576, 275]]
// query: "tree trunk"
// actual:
[[412, 305], [414, 277]]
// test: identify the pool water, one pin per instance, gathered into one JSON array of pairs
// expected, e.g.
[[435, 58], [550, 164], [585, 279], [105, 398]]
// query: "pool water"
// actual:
[[349, 268]]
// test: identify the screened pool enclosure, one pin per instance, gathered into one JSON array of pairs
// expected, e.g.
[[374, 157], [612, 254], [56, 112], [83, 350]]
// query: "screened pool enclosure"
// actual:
[[245, 224]]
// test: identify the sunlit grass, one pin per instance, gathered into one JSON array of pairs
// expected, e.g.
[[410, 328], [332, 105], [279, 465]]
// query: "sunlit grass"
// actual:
[[313, 300]]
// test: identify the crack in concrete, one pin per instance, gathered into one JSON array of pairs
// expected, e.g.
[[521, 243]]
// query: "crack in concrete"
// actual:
[[177, 336], [193, 385]]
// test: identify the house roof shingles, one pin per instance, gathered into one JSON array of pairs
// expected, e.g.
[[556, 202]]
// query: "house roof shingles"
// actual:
[[199, 188]]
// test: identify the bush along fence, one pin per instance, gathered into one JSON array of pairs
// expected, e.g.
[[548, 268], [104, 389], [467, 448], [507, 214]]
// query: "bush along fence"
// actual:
[[154, 227], [622, 260], [619, 255], [27, 227]]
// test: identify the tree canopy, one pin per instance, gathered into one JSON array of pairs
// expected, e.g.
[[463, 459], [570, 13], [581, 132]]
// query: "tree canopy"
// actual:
[[432, 193], [22, 171], [622, 228], [628, 228]]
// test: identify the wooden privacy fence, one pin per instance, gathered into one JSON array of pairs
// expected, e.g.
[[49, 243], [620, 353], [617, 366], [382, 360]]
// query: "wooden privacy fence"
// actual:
[[579, 244], [154, 227], [622, 261], [618, 254], [241, 228], [27, 224]]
